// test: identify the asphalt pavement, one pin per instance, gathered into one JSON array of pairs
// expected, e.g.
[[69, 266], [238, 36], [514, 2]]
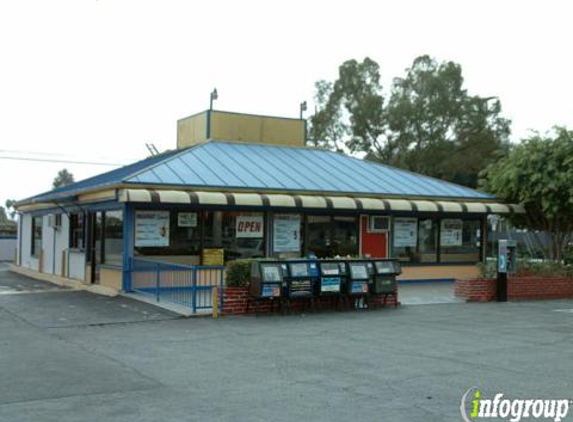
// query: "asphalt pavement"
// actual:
[[74, 356]]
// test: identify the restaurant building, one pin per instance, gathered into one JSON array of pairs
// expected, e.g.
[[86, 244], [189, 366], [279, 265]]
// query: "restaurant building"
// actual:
[[246, 186]]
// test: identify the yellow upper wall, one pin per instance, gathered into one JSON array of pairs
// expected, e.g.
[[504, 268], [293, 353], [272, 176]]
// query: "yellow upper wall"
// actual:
[[241, 128]]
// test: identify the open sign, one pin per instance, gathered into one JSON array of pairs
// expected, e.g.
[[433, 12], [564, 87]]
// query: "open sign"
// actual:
[[249, 226]]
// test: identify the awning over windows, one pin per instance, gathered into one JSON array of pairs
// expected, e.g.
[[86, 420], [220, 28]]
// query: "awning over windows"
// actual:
[[311, 201]]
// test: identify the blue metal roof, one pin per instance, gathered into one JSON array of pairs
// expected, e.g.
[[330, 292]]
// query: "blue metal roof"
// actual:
[[231, 165], [108, 178]]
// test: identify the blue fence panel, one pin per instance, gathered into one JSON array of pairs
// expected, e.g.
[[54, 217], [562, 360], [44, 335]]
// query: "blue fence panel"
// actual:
[[186, 285]]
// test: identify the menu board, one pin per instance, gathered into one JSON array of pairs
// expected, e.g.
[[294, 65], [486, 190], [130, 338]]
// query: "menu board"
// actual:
[[151, 228], [451, 231], [286, 233], [187, 219], [358, 271], [405, 232], [271, 273]]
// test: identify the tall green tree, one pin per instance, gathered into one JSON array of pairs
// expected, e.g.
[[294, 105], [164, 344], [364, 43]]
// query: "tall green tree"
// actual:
[[11, 211], [430, 124], [63, 178], [538, 173]]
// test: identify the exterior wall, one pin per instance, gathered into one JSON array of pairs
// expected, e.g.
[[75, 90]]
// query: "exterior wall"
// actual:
[[437, 272], [192, 130], [236, 300], [111, 277], [258, 129], [77, 265], [373, 244], [8, 245], [28, 261], [518, 288]]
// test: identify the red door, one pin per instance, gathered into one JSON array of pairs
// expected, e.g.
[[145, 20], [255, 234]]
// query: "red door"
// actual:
[[373, 244]]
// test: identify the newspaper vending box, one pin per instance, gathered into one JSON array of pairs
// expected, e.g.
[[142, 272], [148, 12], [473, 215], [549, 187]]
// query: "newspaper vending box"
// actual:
[[266, 279], [385, 272]]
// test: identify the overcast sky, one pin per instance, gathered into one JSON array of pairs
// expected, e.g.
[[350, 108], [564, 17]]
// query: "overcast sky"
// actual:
[[96, 80]]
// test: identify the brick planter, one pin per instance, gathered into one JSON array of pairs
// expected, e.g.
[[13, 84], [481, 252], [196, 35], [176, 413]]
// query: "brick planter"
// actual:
[[236, 299], [518, 288]]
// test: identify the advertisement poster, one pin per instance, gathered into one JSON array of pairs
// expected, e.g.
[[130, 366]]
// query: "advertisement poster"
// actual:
[[405, 232], [451, 232], [249, 226], [286, 229], [151, 228], [187, 219]]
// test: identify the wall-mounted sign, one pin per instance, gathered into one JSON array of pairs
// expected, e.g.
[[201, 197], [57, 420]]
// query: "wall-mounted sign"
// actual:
[[249, 226], [405, 232], [187, 219], [451, 231], [213, 256], [286, 233], [151, 228]]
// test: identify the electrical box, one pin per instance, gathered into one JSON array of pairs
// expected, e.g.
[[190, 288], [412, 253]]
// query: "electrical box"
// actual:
[[507, 257]]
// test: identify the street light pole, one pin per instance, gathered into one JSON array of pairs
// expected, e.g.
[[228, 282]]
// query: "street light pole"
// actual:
[[214, 96]]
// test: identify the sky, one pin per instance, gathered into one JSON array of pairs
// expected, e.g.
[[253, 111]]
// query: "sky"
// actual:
[[95, 80]]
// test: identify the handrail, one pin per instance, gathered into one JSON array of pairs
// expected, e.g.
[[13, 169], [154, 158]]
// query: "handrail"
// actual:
[[174, 264]]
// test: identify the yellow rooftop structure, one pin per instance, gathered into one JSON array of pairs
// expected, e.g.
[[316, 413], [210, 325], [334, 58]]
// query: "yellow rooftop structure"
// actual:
[[239, 127]]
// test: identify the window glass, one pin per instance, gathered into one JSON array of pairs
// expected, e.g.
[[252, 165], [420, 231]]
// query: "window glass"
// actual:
[[77, 233], [113, 237], [460, 240], [184, 236], [319, 235], [415, 240], [345, 236], [240, 234], [36, 235]]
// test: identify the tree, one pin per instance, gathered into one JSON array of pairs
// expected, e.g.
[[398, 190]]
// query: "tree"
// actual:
[[63, 178], [10, 208], [538, 173], [440, 130], [430, 124]]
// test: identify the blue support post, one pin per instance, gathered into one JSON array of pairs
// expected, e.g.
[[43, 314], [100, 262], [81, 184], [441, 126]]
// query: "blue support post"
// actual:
[[194, 290], [128, 245], [157, 281]]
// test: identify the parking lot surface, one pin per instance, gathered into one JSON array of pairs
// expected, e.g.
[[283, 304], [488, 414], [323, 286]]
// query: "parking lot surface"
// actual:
[[74, 356]]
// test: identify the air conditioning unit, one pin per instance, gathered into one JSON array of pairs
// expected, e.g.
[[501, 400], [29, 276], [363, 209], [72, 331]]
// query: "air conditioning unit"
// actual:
[[378, 224], [55, 221]]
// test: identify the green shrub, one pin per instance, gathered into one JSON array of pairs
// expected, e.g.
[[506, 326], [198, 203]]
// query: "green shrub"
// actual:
[[238, 273], [488, 269]]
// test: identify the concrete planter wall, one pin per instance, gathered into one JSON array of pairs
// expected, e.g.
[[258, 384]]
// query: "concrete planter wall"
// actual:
[[518, 288], [236, 300]]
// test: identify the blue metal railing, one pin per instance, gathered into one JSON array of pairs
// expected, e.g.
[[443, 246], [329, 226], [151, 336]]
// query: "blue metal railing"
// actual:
[[186, 285]]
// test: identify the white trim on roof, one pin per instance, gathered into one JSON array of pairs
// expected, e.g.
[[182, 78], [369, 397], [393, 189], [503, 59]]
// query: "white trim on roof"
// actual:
[[312, 202]]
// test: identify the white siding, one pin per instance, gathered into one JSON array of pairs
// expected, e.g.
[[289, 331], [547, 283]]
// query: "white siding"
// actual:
[[8, 248], [77, 265], [28, 261]]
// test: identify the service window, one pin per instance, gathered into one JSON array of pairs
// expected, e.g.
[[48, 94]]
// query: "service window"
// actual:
[[36, 235], [77, 231], [460, 240], [240, 234]]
